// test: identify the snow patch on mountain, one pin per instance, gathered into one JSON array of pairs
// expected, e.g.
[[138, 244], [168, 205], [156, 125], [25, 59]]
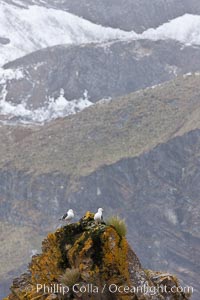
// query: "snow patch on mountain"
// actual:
[[185, 29], [10, 74], [53, 109], [21, 113], [36, 27]]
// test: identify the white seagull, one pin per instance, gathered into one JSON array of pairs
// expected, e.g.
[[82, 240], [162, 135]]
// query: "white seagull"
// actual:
[[68, 216], [98, 216]]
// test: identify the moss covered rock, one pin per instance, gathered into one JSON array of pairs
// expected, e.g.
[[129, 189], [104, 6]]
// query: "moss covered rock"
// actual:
[[85, 260]]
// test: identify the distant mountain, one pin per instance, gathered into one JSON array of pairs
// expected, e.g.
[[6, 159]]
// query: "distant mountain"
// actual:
[[20, 30], [21, 23], [105, 132], [137, 15], [93, 62], [30, 84]]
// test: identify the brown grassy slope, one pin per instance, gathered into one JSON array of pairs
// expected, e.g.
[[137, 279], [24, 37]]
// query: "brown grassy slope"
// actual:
[[105, 133]]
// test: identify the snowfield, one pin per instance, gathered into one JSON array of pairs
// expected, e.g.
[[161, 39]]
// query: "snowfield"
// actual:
[[36, 27], [185, 29]]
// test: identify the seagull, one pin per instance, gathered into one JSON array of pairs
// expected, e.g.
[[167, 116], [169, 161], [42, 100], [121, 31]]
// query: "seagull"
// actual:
[[68, 216], [98, 216]]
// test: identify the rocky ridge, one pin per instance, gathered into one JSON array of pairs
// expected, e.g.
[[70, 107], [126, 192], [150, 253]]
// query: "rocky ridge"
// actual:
[[125, 14], [87, 260]]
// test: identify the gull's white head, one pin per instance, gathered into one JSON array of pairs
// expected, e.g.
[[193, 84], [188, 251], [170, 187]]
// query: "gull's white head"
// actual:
[[100, 209], [70, 211]]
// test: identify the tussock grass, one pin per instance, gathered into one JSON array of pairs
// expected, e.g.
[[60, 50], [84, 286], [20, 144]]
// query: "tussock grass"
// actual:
[[118, 224], [70, 277]]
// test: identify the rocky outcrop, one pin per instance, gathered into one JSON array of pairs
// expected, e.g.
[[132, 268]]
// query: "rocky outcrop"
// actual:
[[4, 41], [86, 260]]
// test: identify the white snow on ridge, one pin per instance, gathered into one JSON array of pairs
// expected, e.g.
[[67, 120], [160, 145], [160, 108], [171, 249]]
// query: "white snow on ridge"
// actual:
[[38, 27], [185, 29], [54, 108], [10, 74]]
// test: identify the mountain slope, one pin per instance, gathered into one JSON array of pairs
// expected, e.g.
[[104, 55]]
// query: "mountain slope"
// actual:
[[128, 15], [21, 28], [158, 194], [78, 159], [106, 132], [29, 84]]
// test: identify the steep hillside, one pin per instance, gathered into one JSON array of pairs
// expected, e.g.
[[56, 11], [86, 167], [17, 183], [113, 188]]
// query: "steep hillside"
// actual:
[[128, 15], [104, 155], [158, 194], [106, 132], [32, 82]]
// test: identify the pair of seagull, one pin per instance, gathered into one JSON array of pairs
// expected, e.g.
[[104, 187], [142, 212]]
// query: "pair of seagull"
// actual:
[[70, 215]]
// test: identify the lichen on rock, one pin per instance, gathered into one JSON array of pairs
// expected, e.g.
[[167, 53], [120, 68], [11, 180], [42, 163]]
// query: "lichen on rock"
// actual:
[[84, 260]]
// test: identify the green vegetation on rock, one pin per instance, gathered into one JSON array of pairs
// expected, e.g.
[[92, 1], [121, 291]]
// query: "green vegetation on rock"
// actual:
[[118, 224], [116, 265]]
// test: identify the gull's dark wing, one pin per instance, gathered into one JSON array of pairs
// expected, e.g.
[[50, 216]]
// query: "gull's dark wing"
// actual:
[[64, 216]]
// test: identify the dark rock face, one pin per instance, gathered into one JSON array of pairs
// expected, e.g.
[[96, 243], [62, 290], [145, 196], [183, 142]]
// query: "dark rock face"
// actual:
[[135, 15], [21, 186], [157, 193], [108, 70], [4, 41]]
